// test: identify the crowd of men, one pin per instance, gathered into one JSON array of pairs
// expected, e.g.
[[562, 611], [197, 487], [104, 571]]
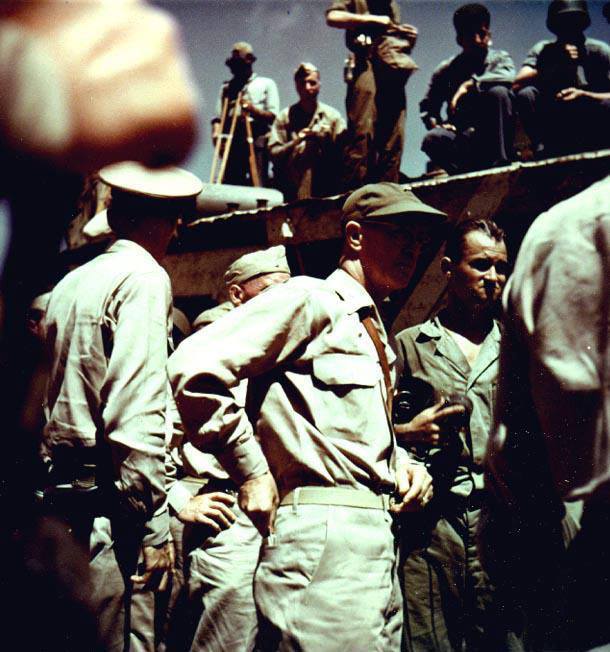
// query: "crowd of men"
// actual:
[[470, 108], [305, 483], [281, 474]]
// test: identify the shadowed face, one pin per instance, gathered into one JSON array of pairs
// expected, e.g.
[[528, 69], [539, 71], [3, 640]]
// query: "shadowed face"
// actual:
[[476, 40], [390, 252], [308, 87]]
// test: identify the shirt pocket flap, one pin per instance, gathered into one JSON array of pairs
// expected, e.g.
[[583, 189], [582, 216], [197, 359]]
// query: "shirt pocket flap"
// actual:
[[342, 369]]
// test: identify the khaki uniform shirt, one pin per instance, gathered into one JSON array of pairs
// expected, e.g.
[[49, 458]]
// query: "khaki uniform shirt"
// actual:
[[553, 430], [318, 401], [305, 168], [108, 329], [261, 92], [429, 352]]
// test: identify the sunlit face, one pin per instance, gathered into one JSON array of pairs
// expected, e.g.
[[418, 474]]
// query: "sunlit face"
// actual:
[[390, 253], [478, 278], [308, 87], [477, 40]]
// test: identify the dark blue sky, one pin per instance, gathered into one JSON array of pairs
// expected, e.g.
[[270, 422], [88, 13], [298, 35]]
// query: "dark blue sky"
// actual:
[[286, 32]]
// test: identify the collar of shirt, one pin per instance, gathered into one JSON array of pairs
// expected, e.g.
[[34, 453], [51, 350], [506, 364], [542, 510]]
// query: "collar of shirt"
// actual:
[[434, 329], [129, 246], [358, 300], [446, 346], [352, 292]]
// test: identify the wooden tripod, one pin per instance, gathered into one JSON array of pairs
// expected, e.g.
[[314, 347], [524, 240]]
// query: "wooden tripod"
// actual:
[[224, 141]]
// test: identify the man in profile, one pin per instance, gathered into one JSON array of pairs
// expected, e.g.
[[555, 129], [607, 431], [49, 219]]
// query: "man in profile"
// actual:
[[107, 328], [317, 479]]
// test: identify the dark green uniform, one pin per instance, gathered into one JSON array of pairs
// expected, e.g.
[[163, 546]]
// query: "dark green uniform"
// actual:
[[449, 601], [375, 104]]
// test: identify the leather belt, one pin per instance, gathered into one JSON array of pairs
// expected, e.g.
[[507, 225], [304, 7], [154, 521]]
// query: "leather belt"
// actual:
[[339, 496]]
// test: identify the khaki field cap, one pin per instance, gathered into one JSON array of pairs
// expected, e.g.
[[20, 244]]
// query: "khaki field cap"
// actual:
[[162, 183], [241, 50], [248, 266], [388, 200]]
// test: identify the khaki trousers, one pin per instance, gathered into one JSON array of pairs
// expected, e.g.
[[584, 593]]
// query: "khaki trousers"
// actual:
[[328, 581], [450, 603], [220, 575], [376, 110], [113, 559]]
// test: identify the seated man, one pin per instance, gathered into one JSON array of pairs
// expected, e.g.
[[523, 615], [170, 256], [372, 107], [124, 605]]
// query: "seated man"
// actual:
[[304, 141], [563, 88], [475, 85]]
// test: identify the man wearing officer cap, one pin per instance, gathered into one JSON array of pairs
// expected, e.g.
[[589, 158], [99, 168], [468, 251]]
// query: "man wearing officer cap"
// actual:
[[318, 484], [260, 103], [107, 330], [564, 85]]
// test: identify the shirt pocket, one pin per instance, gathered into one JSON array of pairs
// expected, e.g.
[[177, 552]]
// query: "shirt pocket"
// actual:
[[345, 370]]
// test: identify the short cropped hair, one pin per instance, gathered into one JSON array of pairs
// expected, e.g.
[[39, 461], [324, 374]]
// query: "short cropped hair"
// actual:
[[469, 18], [126, 210], [305, 69], [454, 247]]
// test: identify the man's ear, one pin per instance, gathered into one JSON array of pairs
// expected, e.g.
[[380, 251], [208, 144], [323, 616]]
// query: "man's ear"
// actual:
[[354, 236], [446, 267], [236, 294]]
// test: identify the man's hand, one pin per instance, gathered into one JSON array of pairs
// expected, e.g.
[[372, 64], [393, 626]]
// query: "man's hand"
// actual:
[[211, 509], [158, 566], [414, 486], [118, 93], [571, 50], [259, 500], [449, 127], [424, 428], [570, 94], [407, 31], [465, 88]]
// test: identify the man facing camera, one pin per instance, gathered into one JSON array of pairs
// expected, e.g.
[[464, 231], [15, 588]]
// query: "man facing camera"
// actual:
[[474, 85], [304, 143], [319, 484], [450, 376]]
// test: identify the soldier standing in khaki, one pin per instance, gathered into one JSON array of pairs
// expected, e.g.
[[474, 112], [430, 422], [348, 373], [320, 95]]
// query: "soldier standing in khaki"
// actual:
[[219, 542], [376, 104], [107, 329], [326, 579], [454, 356]]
